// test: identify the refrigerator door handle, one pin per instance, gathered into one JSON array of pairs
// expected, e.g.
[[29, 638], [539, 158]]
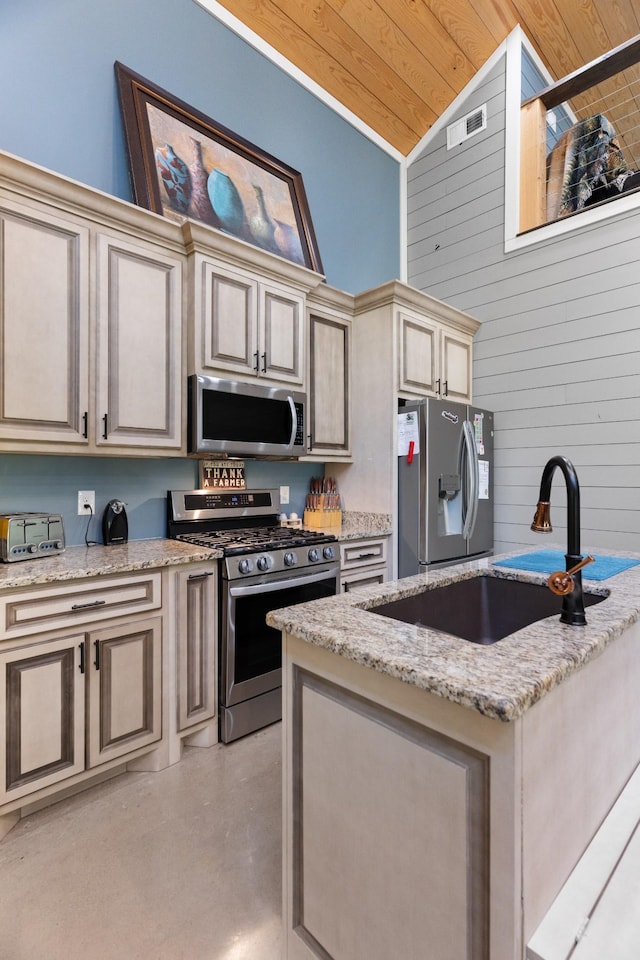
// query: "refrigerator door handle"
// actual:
[[472, 480]]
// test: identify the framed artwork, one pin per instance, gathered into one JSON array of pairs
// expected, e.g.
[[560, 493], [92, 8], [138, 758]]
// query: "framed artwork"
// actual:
[[183, 164]]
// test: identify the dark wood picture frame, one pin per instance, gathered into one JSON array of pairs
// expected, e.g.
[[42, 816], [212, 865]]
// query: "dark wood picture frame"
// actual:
[[185, 165]]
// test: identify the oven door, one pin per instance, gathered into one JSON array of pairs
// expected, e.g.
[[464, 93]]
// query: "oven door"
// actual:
[[250, 650]]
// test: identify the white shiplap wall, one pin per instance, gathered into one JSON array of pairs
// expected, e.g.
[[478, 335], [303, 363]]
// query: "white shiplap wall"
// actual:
[[558, 354]]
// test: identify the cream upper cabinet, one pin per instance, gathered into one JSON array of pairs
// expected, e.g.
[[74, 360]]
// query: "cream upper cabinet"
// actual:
[[139, 382], [406, 344], [247, 310], [91, 335], [247, 327], [329, 375], [434, 360], [44, 328]]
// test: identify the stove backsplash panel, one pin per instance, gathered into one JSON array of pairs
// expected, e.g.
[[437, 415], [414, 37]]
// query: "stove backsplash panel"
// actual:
[[51, 484]]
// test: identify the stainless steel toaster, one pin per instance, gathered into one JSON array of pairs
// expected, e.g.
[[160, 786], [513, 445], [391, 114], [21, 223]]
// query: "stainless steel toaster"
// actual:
[[25, 536]]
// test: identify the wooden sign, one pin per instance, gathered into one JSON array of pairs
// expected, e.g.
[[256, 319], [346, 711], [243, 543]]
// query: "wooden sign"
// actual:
[[221, 475]]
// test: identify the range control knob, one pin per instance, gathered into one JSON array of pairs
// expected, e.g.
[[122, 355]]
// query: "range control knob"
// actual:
[[245, 565], [328, 553], [290, 559], [32, 548], [264, 563], [314, 555]]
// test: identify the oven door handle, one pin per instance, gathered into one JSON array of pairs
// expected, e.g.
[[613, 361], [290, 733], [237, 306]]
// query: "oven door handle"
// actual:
[[250, 589]]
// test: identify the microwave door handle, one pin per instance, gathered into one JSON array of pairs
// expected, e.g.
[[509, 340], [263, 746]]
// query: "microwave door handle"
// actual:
[[294, 422]]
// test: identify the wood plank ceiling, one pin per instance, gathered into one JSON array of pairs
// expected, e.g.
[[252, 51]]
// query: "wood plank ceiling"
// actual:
[[398, 64]]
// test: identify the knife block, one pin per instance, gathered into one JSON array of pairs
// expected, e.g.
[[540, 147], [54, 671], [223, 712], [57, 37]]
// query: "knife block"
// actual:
[[322, 518]]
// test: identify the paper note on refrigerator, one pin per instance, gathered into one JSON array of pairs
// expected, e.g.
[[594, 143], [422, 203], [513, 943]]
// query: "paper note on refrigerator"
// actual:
[[408, 433], [483, 477]]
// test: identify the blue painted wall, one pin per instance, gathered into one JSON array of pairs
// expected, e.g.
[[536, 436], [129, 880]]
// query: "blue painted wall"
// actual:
[[60, 109]]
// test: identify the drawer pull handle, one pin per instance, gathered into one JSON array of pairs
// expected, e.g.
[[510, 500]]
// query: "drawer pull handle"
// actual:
[[84, 606], [97, 660], [365, 556], [82, 667], [200, 576]]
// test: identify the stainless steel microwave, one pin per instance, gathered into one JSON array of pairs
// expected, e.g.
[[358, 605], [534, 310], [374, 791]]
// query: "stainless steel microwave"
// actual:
[[245, 419]]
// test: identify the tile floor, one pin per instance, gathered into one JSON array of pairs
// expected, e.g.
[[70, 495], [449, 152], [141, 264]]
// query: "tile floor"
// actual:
[[178, 865]]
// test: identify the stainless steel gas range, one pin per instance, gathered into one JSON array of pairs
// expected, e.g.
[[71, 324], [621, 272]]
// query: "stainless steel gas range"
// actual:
[[265, 566]]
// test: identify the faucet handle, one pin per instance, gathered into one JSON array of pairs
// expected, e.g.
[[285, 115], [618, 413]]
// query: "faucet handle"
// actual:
[[562, 581]]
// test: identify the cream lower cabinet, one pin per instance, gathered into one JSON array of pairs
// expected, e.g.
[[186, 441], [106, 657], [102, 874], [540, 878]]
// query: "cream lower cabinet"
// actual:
[[329, 376], [363, 563], [82, 679], [91, 357], [196, 647], [75, 702]]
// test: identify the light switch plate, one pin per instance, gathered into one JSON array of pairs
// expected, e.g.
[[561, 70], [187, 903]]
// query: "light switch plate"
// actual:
[[284, 495]]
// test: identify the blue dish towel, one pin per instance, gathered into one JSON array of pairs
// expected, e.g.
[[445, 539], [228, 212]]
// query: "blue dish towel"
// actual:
[[548, 561]]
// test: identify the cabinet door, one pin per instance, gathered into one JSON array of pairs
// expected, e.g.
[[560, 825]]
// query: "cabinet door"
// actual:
[[455, 366], [139, 355], [282, 335], [125, 688], [226, 321], [197, 642], [418, 356], [42, 690], [329, 380], [44, 323]]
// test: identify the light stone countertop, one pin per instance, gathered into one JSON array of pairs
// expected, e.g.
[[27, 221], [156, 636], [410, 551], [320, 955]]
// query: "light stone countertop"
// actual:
[[502, 680], [360, 526], [77, 562]]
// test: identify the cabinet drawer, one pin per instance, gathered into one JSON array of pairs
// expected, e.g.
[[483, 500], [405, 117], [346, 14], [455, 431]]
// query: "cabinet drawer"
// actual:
[[362, 578], [48, 608], [363, 553]]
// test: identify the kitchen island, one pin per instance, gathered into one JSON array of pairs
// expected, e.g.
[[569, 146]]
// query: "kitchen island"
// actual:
[[438, 793]]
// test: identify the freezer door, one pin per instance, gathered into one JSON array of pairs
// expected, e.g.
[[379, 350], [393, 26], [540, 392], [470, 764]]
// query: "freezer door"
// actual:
[[443, 538]]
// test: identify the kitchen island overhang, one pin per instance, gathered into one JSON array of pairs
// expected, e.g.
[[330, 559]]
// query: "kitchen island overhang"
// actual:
[[390, 731]]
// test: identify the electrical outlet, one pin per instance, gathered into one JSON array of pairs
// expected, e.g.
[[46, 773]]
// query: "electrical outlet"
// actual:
[[284, 495], [86, 502]]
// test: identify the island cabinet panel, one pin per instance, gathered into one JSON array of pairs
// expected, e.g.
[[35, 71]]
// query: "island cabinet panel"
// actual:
[[402, 874], [44, 327], [42, 690]]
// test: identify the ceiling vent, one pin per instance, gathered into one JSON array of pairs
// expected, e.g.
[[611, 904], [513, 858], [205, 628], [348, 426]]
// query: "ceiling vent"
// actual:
[[467, 127]]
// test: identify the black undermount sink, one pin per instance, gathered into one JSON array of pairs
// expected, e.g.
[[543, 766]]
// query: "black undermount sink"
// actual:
[[481, 609]]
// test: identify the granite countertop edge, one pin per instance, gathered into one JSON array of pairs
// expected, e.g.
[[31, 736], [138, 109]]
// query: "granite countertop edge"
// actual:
[[501, 681], [81, 562]]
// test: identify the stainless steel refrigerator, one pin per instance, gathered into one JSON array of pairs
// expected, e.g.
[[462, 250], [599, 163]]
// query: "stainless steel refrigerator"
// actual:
[[445, 484]]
